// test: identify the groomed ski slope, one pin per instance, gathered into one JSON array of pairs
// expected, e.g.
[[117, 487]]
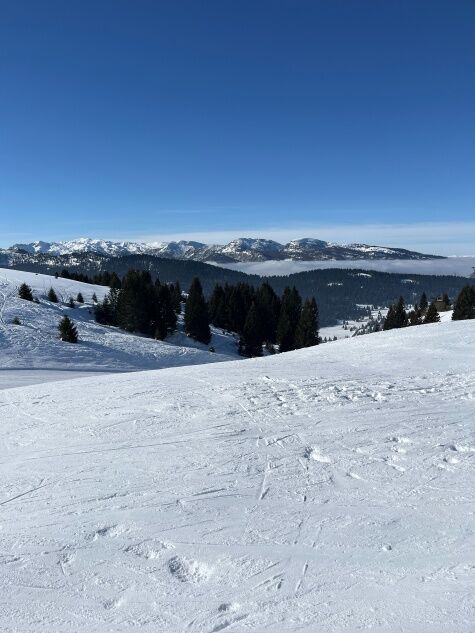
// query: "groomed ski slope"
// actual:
[[32, 353], [330, 489]]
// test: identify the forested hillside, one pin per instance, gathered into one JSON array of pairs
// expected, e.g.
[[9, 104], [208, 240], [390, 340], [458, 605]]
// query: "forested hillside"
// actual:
[[338, 292]]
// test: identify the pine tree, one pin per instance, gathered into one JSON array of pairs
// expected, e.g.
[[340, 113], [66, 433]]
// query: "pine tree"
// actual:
[[291, 307], [94, 297], [52, 296], [432, 316], [400, 315], [67, 330], [24, 292], [71, 303], [423, 303], [196, 314], [415, 316], [269, 308], [176, 296], [80, 298], [252, 337], [464, 306], [136, 303], [389, 321], [106, 312], [307, 328], [165, 314]]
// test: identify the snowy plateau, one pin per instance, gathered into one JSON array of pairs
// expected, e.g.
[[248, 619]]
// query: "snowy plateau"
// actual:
[[329, 490]]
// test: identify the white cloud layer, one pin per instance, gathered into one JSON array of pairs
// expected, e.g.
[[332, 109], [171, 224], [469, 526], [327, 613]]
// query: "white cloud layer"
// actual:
[[440, 238]]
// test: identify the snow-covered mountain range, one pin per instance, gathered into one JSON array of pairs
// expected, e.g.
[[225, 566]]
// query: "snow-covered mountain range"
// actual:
[[238, 250]]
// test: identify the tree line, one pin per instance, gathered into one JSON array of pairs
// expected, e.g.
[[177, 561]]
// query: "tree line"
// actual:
[[104, 278], [424, 312], [259, 316]]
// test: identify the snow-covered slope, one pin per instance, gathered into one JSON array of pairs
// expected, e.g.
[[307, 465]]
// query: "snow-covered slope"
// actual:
[[33, 347], [329, 489]]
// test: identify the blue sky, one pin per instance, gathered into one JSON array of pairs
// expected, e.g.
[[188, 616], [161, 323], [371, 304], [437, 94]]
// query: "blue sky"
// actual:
[[220, 118]]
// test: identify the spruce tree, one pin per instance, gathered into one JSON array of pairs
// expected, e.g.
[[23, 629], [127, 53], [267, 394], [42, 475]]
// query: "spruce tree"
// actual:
[[94, 297], [80, 298], [400, 315], [291, 307], [52, 296], [390, 319], [307, 328], [196, 314], [176, 296], [464, 306], [71, 303], [252, 336], [165, 314], [24, 292], [432, 316], [136, 303], [237, 310], [269, 307], [415, 316], [67, 330]]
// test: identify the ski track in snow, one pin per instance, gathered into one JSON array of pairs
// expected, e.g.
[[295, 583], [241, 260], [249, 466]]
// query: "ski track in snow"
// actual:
[[330, 489]]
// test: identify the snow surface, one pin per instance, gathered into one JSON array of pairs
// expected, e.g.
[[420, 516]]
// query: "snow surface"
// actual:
[[460, 266], [329, 489], [32, 353]]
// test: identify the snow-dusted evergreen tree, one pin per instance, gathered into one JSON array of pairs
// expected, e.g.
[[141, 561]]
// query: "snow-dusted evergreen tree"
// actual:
[[196, 314], [415, 316], [396, 317], [80, 298], [432, 316], [464, 306], [52, 296], [67, 330], [252, 336], [307, 328], [291, 308], [24, 292]]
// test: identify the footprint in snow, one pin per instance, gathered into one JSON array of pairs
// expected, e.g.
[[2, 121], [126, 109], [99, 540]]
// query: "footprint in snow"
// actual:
[[186, 570]]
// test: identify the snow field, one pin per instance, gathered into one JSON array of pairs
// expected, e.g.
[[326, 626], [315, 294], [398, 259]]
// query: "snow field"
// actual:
[[329, 489]]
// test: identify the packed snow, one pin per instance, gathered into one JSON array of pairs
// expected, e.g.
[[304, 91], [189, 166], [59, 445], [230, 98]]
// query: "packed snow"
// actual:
[[32, 353], [329, 489]]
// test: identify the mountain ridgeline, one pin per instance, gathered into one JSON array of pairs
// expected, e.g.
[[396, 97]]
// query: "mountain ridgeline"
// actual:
[[339, 293], [243, 249]]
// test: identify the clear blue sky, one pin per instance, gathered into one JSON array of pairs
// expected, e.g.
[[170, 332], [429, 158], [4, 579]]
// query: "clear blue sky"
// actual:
[[148, 118]]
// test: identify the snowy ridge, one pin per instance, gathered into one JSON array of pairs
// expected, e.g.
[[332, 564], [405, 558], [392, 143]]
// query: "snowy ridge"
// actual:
[[244, 249], [325, 489]]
